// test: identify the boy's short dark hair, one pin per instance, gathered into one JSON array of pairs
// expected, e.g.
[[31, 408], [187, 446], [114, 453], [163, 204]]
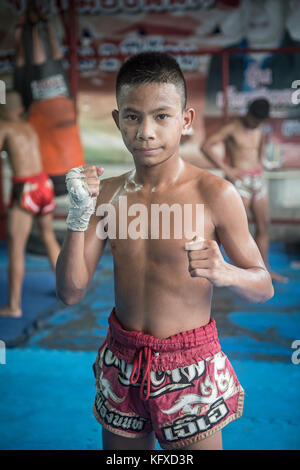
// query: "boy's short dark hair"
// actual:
[[151, 67], [260, 108]]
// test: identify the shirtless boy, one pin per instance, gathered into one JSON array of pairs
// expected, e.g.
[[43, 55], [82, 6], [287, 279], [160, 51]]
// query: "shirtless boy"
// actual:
[[160, 372], [32, 194], [244, 143]]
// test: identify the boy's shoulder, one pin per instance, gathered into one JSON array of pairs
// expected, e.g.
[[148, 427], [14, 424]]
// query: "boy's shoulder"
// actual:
[[10, 127], [220, 197], [214, 189], [115, 180], [208, 181], [232, 124], [109, 185], [7, 130]]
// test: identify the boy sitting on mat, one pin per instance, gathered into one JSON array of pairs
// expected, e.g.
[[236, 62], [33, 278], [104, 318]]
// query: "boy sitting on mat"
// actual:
[[160, 373]]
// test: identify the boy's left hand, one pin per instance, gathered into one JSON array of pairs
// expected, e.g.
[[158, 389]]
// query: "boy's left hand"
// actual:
[[206, 261]]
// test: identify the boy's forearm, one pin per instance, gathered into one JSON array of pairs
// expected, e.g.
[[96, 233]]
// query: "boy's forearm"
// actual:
[[74, 267], [252, 284], [262, 148], [72, 276]]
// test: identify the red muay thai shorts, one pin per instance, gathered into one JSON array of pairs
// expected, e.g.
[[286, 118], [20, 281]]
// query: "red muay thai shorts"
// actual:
[[33, 193], [183, 388]]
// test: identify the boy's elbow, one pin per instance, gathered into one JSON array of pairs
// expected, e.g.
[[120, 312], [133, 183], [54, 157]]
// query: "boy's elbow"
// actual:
[[271, 292], [69, 298], [268, 293]]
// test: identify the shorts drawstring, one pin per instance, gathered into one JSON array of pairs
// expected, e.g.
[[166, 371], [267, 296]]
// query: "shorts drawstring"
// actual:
[[148, 354]]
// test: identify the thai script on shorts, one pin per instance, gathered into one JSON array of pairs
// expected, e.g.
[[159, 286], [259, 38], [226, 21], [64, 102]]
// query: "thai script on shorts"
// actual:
[[116, 420], [178, 379], [190, 425]]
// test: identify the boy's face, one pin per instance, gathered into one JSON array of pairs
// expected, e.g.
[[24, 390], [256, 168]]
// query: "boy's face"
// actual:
[[151, 121]]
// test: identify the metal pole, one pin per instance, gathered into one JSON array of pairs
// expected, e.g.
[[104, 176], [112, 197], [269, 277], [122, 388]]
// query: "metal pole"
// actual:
[[225, 83], [72, 39]]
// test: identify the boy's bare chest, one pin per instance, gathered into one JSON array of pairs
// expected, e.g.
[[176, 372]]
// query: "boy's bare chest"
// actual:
[[156, 228], [245, 140], [22, 139]]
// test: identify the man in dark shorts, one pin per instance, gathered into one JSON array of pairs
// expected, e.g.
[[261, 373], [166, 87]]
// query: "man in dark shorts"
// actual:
[[160, 372]]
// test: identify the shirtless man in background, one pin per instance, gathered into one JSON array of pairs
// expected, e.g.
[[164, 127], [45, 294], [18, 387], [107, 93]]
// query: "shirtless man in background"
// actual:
[[160, 372], [244, 144], [32, 194]]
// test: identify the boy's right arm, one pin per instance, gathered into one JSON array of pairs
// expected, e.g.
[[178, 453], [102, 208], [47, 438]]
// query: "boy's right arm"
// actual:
[[220, 136], [81, 249]]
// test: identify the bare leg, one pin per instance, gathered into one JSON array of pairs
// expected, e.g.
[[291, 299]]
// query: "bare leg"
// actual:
[[20, 56], [29, 17], [213, 442], [48, 235], [260, 210], [32, 12], [19, 226], [247, 204], [55, 47], [112, 441], [39, 55]]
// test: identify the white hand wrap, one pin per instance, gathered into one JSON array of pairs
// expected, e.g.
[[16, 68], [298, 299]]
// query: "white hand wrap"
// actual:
[[82, 204], [191, 245]]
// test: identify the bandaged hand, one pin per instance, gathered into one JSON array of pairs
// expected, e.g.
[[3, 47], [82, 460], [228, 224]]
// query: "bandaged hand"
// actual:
[[83, 185]]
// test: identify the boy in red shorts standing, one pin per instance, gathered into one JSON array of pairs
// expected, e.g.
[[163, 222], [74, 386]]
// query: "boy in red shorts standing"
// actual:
[[32, 195], [160, 373]]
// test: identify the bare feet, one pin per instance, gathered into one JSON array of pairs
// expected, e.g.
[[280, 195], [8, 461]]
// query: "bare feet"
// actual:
[[7, 311], [278, 278]]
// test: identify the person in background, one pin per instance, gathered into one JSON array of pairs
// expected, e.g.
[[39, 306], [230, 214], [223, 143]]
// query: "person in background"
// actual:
[[32, 195], [160, 373], [244, 141], [40, 78]]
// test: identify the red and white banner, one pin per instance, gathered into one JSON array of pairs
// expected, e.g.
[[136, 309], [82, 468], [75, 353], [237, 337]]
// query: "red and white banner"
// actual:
[[111, 30]]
